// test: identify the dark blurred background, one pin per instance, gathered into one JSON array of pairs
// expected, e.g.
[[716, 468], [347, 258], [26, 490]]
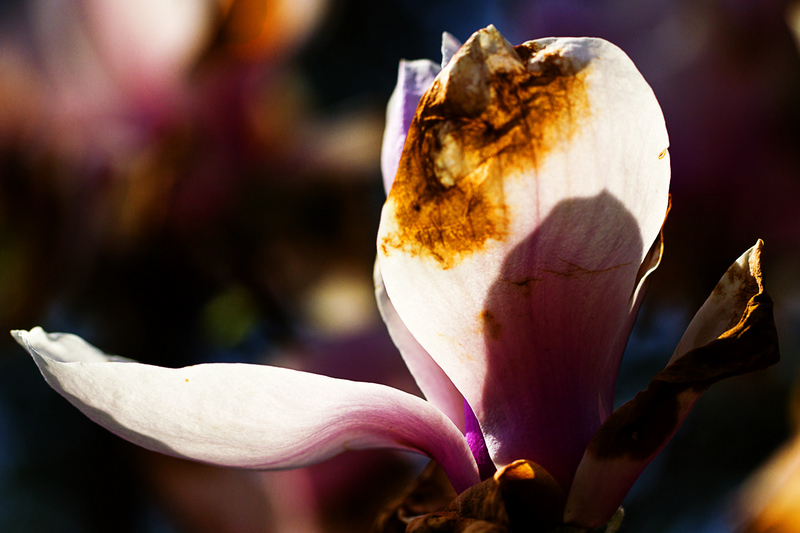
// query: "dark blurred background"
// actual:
[[186, 181]]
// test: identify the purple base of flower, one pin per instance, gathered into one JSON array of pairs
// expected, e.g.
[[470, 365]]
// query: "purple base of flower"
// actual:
[[477, 444]]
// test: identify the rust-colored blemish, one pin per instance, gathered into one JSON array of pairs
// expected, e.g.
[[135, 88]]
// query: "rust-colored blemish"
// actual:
[[739, 284], [186, 380], [733, 294], [663, 154], [491, 325], [477, 125]]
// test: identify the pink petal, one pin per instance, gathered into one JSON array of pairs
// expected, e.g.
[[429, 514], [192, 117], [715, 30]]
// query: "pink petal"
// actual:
[[151, 43], [733, 333], [648, 266], [241, 415], [430, 378], [413, 79], [532, 184]]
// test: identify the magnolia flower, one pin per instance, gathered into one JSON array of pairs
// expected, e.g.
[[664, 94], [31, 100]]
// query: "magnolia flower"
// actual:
[[513, 248]]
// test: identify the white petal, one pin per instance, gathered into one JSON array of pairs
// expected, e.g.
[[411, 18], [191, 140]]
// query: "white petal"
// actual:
[[430, 377], [244, 415], [532, 184]]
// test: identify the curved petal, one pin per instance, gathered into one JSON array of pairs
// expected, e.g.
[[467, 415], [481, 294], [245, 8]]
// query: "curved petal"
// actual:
[[413, 79], [532, 183], [244, 415], [648, 266], [430, 378], [733, 333]]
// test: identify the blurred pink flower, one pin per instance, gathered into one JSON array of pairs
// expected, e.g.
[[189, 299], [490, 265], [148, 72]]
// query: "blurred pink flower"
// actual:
[[114, 72]]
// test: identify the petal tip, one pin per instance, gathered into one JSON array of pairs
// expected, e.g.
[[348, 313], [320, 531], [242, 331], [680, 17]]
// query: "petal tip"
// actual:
[[450, 46], [754, 259], [23, 336]]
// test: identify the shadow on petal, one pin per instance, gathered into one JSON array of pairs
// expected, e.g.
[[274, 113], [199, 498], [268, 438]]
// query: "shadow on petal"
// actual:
[[553, 320]]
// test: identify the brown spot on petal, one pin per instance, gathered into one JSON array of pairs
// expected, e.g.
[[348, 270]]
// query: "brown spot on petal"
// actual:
[[490, 324], [494, 112]]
